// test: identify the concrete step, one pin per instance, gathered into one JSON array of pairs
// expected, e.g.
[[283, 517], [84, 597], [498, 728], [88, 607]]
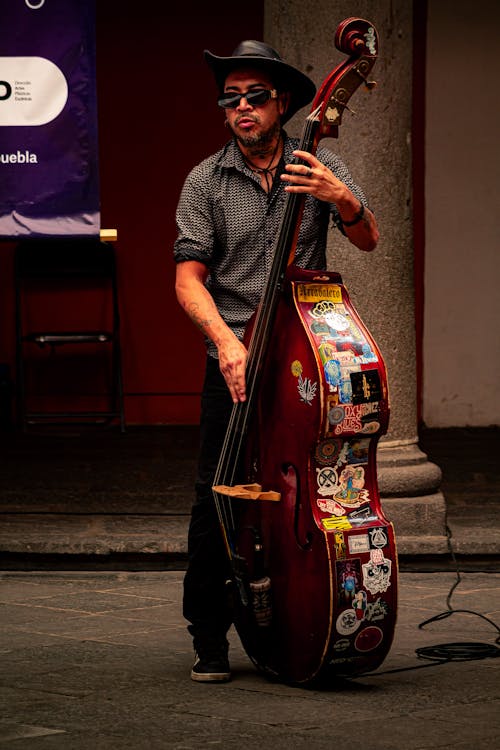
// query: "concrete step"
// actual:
[[92, 534], [166, 533], [108, 493]]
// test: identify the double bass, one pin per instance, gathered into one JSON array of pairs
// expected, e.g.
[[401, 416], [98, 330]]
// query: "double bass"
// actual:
[[312, 555]]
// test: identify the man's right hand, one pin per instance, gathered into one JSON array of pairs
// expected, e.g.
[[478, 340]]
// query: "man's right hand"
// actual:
[[232, 363]]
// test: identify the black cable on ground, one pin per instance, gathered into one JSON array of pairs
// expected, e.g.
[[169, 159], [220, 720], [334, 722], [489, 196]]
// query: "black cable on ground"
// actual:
[[466, 651], [446, 652]]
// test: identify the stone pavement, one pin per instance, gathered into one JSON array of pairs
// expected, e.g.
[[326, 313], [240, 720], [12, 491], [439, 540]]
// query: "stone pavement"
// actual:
[[101, 661]]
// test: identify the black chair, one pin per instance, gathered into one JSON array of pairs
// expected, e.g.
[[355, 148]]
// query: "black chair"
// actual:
[[56, 275]]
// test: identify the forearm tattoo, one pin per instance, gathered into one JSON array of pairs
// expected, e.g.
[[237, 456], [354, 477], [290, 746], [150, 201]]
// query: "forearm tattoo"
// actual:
[[193, 310]]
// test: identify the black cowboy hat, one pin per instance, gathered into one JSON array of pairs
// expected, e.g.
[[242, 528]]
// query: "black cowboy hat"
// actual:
[[251, 53]]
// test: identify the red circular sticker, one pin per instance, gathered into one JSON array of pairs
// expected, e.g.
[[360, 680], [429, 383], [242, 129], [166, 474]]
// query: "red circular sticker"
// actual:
[[368, 639]]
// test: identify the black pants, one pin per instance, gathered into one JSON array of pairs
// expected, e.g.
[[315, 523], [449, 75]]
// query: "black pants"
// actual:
[[206, 600]]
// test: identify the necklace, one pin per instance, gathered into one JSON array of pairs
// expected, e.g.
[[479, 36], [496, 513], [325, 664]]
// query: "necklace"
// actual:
[[267, 172]]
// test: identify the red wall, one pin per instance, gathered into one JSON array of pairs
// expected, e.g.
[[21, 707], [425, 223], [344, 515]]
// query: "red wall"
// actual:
[[157, 119]]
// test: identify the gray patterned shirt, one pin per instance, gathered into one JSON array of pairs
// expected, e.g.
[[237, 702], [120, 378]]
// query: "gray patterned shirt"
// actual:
[[228, 222]]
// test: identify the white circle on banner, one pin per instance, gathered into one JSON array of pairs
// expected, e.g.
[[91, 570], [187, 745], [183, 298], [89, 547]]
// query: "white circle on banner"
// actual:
[[37, 91]]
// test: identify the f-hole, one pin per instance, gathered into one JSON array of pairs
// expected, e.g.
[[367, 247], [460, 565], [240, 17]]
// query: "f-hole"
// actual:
[[293, 484]]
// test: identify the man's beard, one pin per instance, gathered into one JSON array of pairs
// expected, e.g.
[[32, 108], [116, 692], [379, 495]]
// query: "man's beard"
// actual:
[[258, 143]]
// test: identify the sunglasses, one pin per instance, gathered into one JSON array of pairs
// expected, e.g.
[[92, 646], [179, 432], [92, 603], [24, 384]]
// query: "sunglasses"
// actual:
[[257, 98]]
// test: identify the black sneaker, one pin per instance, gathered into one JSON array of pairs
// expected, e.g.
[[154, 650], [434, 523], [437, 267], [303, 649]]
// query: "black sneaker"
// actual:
[[211, 663]]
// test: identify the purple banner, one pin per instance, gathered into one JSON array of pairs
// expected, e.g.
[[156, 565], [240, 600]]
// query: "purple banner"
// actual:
[[49, 178]]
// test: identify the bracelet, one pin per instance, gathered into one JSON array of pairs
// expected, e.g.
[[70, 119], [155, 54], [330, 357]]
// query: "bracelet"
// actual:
[[357, 218]]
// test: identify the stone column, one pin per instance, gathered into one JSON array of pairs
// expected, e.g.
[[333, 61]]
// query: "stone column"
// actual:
[[375, 143]]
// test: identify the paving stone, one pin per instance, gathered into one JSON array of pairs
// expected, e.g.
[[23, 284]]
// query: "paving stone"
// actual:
[[118, 680]]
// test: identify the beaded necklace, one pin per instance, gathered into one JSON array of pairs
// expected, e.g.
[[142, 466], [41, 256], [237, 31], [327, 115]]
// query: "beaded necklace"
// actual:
[[267, 172]]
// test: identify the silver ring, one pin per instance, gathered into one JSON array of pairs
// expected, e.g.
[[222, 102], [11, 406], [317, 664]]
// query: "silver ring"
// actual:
[[309, 172]]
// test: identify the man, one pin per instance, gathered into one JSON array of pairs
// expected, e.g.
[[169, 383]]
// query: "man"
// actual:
[[228, 218]]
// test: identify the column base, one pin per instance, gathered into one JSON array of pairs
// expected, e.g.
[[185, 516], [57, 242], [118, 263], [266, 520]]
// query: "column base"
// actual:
[[419, 524], [411, 499]]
